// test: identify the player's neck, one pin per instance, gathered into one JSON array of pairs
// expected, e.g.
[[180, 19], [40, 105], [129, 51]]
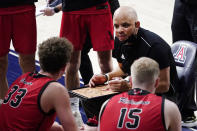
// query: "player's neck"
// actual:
[[147, 88], [54, 76]]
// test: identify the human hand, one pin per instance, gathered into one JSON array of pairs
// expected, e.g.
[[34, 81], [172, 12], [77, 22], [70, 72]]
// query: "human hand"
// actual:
[[48, 11], [97, 79], [118, 84]]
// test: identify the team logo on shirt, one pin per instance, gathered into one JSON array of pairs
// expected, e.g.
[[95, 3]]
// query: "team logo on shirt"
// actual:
[[124, 100], [180, 55], [122, 57]]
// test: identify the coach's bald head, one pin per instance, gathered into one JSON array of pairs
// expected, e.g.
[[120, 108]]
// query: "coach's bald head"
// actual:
[[126, 11], [125, 22]]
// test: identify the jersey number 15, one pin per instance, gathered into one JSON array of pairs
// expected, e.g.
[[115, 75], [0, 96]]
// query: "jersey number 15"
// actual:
[[133, 116]]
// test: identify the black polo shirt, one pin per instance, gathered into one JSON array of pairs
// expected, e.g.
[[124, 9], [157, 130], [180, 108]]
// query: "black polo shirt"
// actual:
[[147, 44]]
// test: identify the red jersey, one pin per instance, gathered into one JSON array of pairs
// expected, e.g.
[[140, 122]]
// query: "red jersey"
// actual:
[[21, 108], [136, 110]]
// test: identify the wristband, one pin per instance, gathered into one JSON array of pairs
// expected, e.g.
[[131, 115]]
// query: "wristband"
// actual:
[[56, 10], [107, 77]]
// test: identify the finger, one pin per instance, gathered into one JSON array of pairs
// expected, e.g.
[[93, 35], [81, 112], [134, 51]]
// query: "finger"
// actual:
[[115, 87], [106, 89], [114, 82], [91, 83], [116, 78]]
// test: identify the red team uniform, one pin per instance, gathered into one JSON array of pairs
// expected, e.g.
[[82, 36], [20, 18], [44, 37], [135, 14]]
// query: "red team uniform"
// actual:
[[22, 99], [91, 17], [17, 23], [130, 109]]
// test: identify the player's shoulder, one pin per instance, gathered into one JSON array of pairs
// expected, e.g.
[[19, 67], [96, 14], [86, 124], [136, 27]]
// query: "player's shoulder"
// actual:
[[55, 84], [170, 103], [170, 107], [56, 87], [172, 116]]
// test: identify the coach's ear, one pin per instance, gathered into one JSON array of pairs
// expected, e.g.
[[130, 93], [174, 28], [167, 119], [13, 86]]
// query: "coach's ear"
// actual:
[[137, 24]]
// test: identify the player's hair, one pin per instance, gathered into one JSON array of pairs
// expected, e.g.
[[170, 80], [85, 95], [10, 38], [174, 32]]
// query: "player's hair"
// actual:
[[144, 71], [54, 53]]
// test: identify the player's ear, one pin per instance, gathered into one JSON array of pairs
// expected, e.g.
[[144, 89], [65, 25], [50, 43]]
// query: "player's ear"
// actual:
[[130, 81], [157, 82]]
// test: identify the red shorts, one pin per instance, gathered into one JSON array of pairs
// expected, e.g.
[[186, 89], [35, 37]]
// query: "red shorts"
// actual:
[[97, 22], [21, 29]]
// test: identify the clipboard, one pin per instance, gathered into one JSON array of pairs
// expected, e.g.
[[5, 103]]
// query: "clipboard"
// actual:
[[86, 92]]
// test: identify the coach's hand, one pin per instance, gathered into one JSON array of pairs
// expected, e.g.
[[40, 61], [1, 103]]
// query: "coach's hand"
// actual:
[[97, 79], [48, 11], [119, 85]]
